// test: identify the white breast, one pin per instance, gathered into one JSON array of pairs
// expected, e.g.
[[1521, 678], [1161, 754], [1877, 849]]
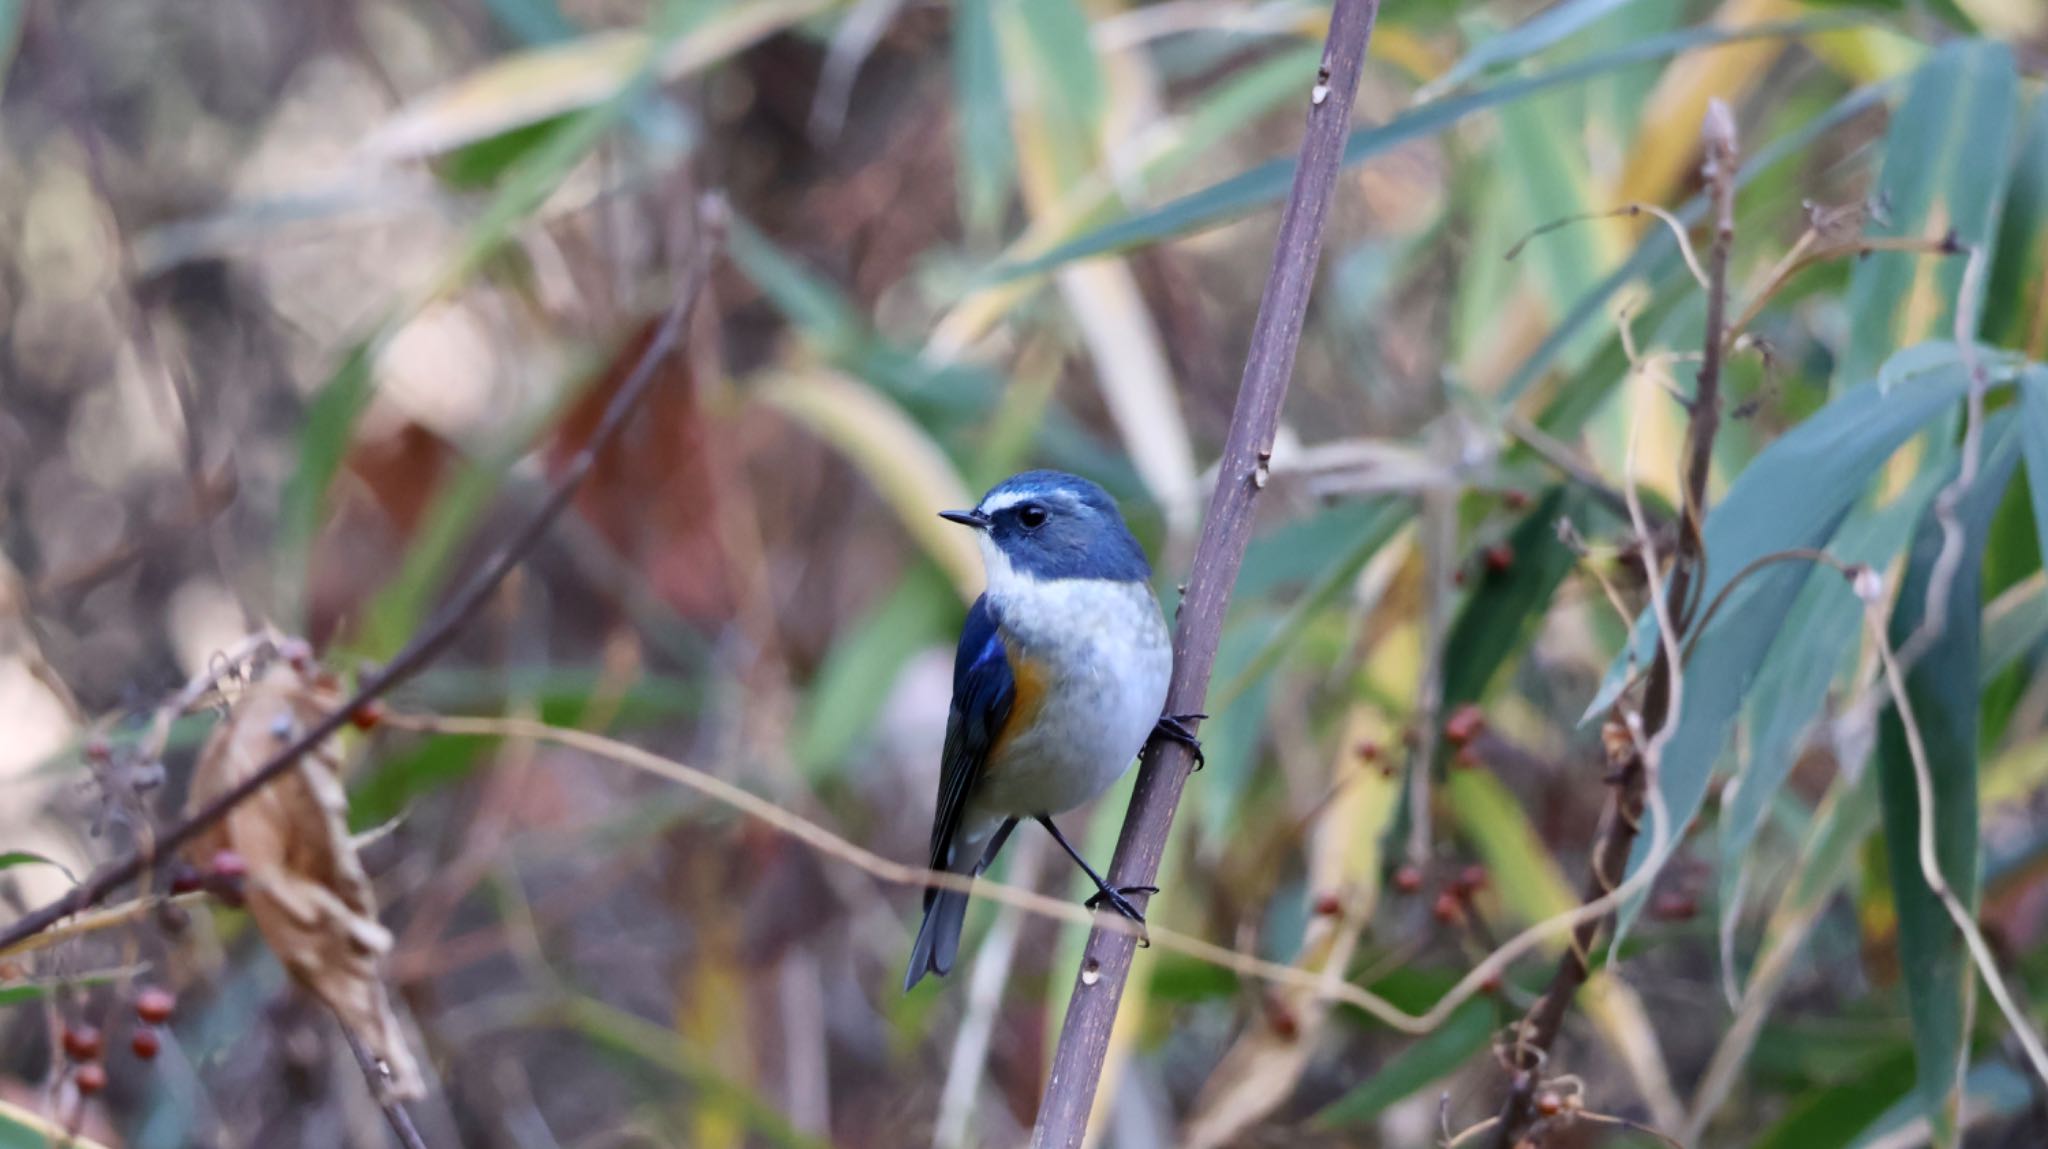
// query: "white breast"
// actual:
[[1104, 650]]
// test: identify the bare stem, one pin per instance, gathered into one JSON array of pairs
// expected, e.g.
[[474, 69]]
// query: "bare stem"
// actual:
[[1632, 781], [1106, 963]]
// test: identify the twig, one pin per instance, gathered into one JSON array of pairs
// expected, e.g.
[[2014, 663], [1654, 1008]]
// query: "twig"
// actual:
[[395, 1112], [1930, 861], [425, 646], [1058, 909], [1626, 211], [1276, 335], [1633, 786]]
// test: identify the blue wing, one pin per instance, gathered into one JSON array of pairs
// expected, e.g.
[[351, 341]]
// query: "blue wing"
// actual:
[[984, 690]]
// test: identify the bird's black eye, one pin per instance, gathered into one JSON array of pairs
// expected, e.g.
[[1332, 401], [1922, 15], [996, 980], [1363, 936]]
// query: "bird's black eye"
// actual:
[[1031, 516]]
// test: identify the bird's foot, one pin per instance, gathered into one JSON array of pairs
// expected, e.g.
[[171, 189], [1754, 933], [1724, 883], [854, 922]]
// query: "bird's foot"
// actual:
[[1115, 898], [1174, 728]]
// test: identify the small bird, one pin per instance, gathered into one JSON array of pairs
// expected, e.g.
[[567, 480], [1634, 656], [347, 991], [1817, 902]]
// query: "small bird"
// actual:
[[1059, 681]]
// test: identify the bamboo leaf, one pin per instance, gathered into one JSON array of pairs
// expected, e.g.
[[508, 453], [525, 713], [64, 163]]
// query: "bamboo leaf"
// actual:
[[1266, 184], [982, 124], [1943, 689], [1954, 126], [2017, 294], [1818, 637], [1463, 1035], [2033, 432], [540, 84], [1545, 30], [863, 664], [1830, 459], [1496, 618]]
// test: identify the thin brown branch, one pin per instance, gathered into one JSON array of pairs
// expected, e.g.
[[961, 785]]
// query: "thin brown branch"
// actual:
[[395, 1112], [425, 646], [1276, 335], [1539, 1029]]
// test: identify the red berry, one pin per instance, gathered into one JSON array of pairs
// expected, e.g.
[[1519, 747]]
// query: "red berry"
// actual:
[[368, 715], [1499, 557], [91, 1078], [1368, 751], [81, 1042], [1447, 910], [1407, 879], [1464, 724], [1548, 1104], [1472, 877], [1329, 905], [1490, 983], [1515, 500], [146, 1044], [155, 1004]]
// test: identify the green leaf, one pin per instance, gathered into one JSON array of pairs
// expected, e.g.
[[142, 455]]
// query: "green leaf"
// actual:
[[1996, 1089], [2018, 287], [1819, 637], [863, 664], [395, 613], [1829, 459], [1386, 518], [1062, 51], [1504, 606], [1544, 30], [1435, 1056], [1246, 192], [1831, 1118], [13, 858], [2033, 431], [1953, 128], [323, 443], [982, 123], [1943, 689], [22, 992]]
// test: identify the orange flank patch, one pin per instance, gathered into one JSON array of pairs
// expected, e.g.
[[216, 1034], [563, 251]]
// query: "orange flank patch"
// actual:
[[1029, 696]]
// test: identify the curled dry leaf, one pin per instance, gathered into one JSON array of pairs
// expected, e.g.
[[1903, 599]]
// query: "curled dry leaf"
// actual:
[[305, 887]]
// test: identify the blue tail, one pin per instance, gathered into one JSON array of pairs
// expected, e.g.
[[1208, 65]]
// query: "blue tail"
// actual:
[[938, 940]]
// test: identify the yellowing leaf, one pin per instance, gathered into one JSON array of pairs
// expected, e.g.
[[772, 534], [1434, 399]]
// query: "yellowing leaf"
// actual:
[[529, 87]]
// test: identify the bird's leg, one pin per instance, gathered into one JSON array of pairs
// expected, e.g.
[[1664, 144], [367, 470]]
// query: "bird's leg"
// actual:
[[1174, 728], [1114, 896]]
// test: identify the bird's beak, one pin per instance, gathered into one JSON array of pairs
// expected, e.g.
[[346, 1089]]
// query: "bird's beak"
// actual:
[[976, 518]]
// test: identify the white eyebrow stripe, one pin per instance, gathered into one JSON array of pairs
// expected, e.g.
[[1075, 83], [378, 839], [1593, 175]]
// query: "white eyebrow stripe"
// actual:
[[1003, 501]]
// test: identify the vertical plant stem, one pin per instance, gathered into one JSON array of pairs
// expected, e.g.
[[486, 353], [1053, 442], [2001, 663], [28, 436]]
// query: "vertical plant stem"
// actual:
[[1538, 1030], [1106, 963]]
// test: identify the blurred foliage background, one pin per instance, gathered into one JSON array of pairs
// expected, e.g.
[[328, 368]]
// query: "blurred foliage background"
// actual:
[[306, 303]]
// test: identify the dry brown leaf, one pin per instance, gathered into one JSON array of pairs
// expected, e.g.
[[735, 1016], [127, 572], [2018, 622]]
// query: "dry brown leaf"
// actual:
[[305, 887]]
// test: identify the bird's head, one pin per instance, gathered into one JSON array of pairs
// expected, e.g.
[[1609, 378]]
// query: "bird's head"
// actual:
[[1052, 525]]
